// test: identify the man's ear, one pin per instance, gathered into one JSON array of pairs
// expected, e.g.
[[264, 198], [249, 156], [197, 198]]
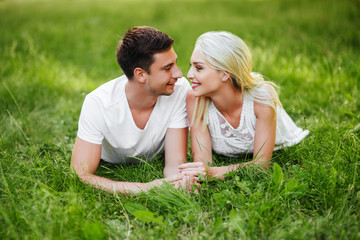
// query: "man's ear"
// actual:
[[140, 74]]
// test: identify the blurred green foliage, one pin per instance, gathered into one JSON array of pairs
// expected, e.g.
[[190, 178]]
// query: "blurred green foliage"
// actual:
[[52, 53]]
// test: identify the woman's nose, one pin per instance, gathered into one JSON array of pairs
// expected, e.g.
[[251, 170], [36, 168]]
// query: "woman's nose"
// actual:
[[190, 73]]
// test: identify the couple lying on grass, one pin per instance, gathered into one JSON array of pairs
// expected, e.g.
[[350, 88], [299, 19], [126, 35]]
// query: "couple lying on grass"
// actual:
[[230, 110]]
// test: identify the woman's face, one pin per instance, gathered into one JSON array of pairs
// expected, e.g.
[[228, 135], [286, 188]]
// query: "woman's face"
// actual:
[[205, 80]]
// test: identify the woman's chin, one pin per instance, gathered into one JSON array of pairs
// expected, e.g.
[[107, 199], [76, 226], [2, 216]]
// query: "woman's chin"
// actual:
[[197, 93]]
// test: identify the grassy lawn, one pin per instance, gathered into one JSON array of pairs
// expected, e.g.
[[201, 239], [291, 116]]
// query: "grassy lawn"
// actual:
[[52, 53]]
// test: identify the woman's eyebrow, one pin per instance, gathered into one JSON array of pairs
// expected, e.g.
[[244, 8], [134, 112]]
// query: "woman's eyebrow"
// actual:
[[197, 63]]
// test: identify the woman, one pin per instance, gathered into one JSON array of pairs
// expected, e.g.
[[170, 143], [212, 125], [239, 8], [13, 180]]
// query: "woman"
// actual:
[[231, 109]]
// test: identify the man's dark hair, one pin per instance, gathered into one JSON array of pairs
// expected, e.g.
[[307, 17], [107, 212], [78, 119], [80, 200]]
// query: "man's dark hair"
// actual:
[[137, 47]]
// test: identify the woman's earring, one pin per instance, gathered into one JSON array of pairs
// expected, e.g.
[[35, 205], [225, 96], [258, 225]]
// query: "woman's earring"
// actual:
[[225, 77]]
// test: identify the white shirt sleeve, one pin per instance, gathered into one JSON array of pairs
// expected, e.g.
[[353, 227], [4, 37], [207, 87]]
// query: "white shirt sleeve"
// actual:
[[91, 121], [179, 118]]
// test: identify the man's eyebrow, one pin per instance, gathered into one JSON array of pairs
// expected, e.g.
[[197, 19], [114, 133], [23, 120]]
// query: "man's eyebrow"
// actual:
[[170, 64]]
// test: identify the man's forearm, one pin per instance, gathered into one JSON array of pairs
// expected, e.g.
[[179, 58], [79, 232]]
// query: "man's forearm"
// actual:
[[116, 186]]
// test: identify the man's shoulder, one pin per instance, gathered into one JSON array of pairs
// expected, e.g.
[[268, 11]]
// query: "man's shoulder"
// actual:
[[110, 86], [109, 92]]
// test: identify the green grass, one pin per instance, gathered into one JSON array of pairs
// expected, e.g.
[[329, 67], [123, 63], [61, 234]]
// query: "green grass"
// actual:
[[52, 53]]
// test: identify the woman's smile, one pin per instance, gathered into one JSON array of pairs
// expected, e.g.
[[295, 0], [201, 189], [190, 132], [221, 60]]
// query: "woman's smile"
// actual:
[[194, 84]]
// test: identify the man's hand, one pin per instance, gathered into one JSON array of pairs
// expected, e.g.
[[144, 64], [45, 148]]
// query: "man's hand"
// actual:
[[195, 169], [158, 182], [187, 183], [179, 181]]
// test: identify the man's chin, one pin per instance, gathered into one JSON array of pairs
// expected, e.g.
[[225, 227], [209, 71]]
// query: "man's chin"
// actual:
[[168, 93]]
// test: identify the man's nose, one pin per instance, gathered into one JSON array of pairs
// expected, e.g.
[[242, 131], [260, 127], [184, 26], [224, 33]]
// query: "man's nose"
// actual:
[[177, 73]]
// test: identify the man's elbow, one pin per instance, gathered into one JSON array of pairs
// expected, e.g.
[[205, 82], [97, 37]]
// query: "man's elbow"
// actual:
[[264, 163], [79, 171]]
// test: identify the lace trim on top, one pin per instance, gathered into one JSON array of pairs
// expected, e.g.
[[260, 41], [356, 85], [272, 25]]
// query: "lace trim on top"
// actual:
[[231, 141], [228, 140]]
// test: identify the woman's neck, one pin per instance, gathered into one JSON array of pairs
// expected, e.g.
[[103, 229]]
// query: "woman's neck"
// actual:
[[228, 100]]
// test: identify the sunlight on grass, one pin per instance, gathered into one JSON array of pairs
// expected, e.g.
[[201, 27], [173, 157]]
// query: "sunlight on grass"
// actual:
[[48, 83], [53, 53]]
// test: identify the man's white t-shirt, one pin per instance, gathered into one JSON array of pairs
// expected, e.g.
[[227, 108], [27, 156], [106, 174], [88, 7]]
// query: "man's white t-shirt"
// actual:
[[106, 119]]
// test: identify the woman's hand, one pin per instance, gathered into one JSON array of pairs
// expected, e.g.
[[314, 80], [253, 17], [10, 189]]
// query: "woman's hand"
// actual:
[[179, 181], [187, 183], [195, 169], [199, 169]]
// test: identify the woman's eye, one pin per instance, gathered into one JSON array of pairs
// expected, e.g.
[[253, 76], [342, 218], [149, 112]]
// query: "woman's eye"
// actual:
[[197, 68]]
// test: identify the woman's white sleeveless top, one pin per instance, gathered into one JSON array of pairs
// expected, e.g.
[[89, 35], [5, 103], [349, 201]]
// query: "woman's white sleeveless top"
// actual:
[[229, 141]]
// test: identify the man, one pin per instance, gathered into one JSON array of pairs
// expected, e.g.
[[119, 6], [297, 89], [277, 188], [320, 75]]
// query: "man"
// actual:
[[135, 115]]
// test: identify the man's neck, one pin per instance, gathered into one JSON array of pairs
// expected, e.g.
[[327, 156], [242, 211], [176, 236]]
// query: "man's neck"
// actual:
[[138, 98]]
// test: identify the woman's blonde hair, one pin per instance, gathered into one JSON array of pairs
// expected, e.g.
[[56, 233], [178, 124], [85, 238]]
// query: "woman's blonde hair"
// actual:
[[227, 52]]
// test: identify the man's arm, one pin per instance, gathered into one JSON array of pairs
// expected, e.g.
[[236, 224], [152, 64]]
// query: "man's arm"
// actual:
[[175, 150], [85, 160], [176, 154]]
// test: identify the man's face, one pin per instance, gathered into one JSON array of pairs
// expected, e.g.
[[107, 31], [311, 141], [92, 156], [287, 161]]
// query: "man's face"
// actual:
[[163, 73]]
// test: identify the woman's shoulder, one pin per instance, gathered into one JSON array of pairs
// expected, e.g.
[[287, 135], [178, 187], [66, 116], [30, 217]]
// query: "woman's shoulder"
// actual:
[[261, 109], [263, 90], [190, 102], [264, 97], [190, 97]]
